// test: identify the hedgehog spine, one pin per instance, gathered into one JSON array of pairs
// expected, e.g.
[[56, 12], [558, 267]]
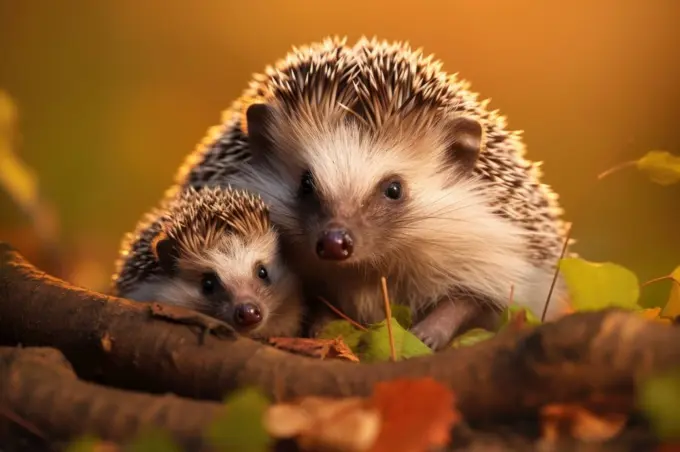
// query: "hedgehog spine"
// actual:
[[356, 116]]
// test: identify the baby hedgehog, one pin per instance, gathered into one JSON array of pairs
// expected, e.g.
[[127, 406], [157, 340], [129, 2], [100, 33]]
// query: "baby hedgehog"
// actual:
[[375, 162], [213, 250]]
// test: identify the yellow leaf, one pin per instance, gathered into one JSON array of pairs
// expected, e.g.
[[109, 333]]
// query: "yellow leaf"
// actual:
[[599, 285], [661, 166], [672, 308], [15, 177]]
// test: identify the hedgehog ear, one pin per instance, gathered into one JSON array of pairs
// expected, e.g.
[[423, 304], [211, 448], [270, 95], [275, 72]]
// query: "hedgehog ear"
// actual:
[[466, 136], [166, 251], [258, 118]]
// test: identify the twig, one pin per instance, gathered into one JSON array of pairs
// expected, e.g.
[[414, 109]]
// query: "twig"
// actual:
[[557, 271], [660, 278], [616, 168], [512, 294], [388, 317], [343, 315], [12, 416]]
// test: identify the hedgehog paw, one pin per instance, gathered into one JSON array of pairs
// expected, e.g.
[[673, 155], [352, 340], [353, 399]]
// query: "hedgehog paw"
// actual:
[[432, 337]]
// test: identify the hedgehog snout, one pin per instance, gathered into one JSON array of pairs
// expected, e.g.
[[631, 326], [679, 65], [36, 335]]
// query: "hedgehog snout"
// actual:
[[335, 243], [247, 314]]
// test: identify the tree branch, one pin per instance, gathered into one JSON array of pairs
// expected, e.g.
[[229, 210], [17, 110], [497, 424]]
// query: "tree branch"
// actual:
[[39, 385], [122, 343]]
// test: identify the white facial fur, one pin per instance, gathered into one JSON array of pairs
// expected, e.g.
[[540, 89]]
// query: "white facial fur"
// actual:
[[235, 261], [447, 239]]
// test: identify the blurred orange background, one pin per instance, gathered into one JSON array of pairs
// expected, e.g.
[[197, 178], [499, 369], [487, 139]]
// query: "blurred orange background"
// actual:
[[112, 95]]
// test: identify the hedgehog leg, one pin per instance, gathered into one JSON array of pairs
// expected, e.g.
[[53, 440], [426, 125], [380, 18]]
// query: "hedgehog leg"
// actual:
[[447, 318]]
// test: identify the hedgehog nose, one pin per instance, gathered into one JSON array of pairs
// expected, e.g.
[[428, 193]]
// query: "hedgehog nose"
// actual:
[[247, 315], [335, 244]]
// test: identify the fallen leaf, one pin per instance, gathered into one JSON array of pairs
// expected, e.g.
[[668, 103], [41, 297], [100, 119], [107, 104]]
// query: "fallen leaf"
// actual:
[[654, 314], [321, 424], [402, 314], [672, 308], [472, 337], [598, 285], [518, 316], [658, 398], [578, 422], [152, 439], [342, 328], [240, 427], [91, 444], [316, 348], [374, 344], [662, 167], [417, 414]]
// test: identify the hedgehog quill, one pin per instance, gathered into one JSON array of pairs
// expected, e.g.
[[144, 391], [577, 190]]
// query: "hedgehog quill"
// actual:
[[213, 250], [375, 162]]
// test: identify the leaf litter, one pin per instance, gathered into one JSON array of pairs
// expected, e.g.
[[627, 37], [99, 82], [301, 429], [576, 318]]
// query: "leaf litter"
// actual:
[[418, 414]]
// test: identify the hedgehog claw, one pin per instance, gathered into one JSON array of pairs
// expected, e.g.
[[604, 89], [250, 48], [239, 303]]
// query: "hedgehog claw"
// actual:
[[433, 338]]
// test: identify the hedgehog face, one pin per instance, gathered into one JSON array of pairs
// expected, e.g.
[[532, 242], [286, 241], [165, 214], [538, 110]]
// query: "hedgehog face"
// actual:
[[354, 195], [237, 279]]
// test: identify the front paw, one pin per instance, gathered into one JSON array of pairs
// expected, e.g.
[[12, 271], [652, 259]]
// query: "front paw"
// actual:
[[432, 337]]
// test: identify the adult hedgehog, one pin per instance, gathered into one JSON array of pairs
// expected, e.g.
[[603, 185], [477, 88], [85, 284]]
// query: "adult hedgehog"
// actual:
[[375, 162]]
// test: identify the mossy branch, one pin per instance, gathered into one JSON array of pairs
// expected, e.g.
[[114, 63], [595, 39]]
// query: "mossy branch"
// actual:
[[122, 343]]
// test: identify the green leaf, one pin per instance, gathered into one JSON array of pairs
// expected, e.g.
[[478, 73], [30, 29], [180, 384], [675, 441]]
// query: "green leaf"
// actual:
[[659, 399], [662, 167], [375, 343], [598, 285], [152, 439], [403, 315], [672, 308], [349, 333], [513, 310], [240, 427], [85, 443], [472, 337]]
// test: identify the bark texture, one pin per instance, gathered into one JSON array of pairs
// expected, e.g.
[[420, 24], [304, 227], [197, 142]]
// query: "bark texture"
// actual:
[[40, 392], [161, 349]]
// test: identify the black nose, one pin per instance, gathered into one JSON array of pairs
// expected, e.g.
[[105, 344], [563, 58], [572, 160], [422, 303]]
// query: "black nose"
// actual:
[[247, 315], [335, 244]]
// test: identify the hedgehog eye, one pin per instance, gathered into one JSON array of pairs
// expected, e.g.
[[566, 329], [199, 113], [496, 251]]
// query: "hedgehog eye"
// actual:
[[306, 183], [209, 283], [262, 273], [393, 190]]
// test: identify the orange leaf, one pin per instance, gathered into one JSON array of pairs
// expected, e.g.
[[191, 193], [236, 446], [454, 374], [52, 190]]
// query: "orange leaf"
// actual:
[[417, 414], [320, 423], [578, 422], [518, 321], [316, 348], [653, 314]]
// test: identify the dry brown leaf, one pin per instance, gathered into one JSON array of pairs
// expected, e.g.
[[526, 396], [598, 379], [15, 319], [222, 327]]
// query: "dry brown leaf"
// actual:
[[417, 414], [325, 424], [316, 348], [578, 422]]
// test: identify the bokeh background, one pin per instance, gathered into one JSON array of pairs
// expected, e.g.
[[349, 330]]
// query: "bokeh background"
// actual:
[[112, 95]]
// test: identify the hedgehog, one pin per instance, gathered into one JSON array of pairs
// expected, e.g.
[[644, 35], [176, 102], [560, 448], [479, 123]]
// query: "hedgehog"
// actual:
[[215, 251], [375, 162]]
